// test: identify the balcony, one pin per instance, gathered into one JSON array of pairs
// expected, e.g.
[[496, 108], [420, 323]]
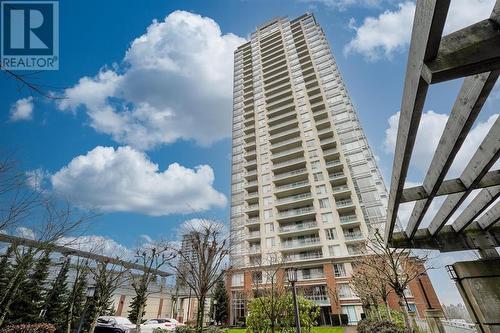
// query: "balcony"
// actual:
[[293, 142], [294, 198], [288, 164], [283, 126], [254, 249], [251, 174], [294, 214], [253, 235], [252, 195], [297, 151], [282, 108], [276, 121], [249, 137], [303, 256], [289, 134], [342, 189], [310, 276], [327, 143], [299, 227], [344, 203], [348, 219], [321, 299], [292, 186], [356, 249], [252, 221], [330, 152], [337, 177], [328, 131], [252, 208], [333, 164], [354, 236], [304, 242]]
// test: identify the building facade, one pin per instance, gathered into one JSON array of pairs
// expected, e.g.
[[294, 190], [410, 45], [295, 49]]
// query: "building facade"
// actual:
[[306, 190]]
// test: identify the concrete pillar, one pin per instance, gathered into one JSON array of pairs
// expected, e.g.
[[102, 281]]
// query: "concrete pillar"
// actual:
[[479, 285], [434, 317]]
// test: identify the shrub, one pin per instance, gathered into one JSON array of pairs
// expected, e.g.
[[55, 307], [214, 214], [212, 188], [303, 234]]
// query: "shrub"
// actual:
[[379, 326], [160, 330], [29, 328]]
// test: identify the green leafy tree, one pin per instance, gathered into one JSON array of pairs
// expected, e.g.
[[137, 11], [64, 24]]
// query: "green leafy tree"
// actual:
[[57, 298], [221, 308], [28, 302], [258, 320]]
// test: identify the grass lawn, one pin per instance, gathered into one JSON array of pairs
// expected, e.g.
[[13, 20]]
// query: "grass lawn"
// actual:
[[321, 329]]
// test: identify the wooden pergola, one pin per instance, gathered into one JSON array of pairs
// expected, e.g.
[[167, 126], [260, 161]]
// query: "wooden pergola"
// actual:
[[472, 53]]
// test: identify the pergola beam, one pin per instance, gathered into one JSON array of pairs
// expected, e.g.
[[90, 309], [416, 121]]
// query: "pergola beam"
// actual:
[[483, 159], [491, 178], [485, 198], [491, 217], [472, 238], [474, 49], [68, 251], [430, 16], [468, 104]]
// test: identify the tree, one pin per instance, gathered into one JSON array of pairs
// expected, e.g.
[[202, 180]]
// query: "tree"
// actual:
[[333, 294], [27, 300], [107, 278], [199, 261], [6, 267], [397, 267], [57, 298], [220, 303], [76, 299], [151, 257]]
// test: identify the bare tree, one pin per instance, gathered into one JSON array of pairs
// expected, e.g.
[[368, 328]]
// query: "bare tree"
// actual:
[[80, 267], [398, 267], [333, 294], [200, 260], [28, 81], [151, 257]]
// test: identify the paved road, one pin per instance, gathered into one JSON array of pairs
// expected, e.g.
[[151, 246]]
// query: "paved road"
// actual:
[[350, 329]]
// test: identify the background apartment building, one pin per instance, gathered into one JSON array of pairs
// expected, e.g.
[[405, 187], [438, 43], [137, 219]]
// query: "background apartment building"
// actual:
[[305, 185]]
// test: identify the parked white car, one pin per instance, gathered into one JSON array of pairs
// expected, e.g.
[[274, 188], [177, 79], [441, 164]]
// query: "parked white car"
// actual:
[[163, 323]]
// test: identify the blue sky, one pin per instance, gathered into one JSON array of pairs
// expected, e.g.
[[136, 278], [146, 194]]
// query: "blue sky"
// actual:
[[165, 100]]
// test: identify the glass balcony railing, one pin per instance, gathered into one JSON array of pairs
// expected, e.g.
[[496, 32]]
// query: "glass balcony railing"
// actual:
[[348, 219], [287, 152], [341, 188], [353, 236], [330, 151], [299, 226], [285, 142], [288, 162], [302, 256], [253, 234], [253, 207], [290, 173], [253, 220], [294, 198], [301, 242], [344, 203], [296, 212], [337, 175], [333, 163], [254, 249]]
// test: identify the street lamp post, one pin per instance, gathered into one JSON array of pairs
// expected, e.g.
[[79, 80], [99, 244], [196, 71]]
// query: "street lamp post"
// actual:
[[292, 278], [215, 309], [89, 294]]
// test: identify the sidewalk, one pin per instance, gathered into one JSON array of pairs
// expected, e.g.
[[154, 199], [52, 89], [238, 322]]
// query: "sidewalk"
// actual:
[[350, 329]]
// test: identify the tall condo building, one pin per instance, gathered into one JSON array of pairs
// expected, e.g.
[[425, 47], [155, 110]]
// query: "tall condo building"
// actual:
[[306, 189]]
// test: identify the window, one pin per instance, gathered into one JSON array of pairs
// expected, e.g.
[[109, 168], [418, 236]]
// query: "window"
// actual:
[[321, 189], [270, 242], [327, 218], [237, 279], [308, 134], [331, 234], [268, 201], [345, 291], [268, 214], [313, 154], [265, 167], [269, 227], [310, 143], [334, 250], [324, 203], [318, 176], [266, 188], [412, 307], [315, 165], [339, 270]]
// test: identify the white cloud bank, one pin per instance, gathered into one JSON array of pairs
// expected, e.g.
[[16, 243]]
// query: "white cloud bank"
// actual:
[[22, 109], [175, 83], [344, 4], [429, 133], [390, 32], [125, 180]]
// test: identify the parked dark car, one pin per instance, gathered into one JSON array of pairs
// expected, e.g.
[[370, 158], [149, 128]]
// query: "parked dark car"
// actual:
[[111, 324]]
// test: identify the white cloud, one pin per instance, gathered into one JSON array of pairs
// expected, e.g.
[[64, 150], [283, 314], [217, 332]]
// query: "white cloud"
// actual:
[[25, 232], [125, 180], [175, 83], [390, 32], [98, 244], [22, 109], [36, 178], [429, 133]]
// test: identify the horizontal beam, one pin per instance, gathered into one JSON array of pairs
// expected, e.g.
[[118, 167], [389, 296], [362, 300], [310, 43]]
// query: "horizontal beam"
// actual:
[[448, 240], [491, 178], [472, 50], [64, 250]]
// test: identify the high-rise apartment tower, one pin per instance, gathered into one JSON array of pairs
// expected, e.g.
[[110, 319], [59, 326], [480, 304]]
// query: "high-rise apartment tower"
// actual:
[[306, 188]]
